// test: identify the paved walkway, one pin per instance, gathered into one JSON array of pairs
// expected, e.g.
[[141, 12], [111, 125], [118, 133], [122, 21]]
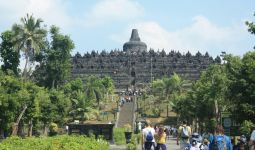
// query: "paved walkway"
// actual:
[[170, 144]]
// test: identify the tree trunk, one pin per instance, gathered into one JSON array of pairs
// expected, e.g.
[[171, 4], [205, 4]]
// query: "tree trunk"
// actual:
[[15, 125], [1, 133], [53, 84], [24, 74], [30, 128], [44, 129], [167, 110], [216, 110]]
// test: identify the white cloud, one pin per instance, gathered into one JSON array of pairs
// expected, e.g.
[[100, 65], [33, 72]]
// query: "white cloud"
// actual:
[[202, 35], [113, 10], [51, 11]]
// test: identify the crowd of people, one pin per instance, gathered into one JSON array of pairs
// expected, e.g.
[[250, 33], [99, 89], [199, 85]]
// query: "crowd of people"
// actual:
[[154, 138]]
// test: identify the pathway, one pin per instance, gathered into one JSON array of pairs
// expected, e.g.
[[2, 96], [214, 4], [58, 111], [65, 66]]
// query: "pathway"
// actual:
[[126, 114], [171, 145]]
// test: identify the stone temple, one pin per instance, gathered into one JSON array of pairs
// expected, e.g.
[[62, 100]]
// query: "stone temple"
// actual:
[[137, 66]]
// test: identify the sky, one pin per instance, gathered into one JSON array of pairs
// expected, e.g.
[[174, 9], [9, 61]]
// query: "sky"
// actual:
[[184, 25]]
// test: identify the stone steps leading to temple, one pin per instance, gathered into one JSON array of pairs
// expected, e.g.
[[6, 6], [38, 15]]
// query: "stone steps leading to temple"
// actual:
[[126, 114]]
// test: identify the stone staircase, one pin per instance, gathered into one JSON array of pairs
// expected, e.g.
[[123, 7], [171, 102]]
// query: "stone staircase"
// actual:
[[127, 114]]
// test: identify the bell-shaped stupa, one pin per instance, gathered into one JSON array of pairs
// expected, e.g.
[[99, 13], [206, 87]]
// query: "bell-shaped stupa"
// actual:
[[134, 43]]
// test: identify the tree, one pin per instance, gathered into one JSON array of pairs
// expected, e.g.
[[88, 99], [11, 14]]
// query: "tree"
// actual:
[[9, 55], [58, 64], [241, 90], [94, 89], [108, 85], [28, 37], [172, 88], [251, 27]]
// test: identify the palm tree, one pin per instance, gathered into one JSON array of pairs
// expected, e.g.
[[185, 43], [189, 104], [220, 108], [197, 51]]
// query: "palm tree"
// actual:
[[94, 89], [172, 85], [29, 38]]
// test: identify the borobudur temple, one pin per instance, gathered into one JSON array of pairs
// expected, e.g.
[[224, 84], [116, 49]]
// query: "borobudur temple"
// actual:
[[135, 65]]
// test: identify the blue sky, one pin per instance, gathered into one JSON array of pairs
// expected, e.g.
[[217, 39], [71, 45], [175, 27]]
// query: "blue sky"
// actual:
[[190, 25]]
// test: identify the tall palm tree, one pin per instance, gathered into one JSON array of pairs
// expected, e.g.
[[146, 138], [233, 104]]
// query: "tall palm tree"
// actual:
[[29, 38]]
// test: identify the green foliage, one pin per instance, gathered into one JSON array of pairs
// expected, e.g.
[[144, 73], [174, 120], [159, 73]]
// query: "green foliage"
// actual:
[[246, 128], [251, 26], [133, 144], [30, 38], [108, 84], [58, 58], [53, 127], [241, 90], [94, 89], [9, 56], [119, 136], [54, 143]]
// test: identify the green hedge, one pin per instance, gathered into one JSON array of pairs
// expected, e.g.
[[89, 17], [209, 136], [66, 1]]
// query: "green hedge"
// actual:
[[63, 142], [119, 136]]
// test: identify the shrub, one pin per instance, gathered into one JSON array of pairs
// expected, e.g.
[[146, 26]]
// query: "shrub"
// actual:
[[119, 136], [132, 145], [53, 129], [63, 142], [246, 128]]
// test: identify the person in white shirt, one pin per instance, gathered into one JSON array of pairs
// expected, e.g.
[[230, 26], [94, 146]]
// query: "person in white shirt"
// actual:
[[148, 136], [252, 140]]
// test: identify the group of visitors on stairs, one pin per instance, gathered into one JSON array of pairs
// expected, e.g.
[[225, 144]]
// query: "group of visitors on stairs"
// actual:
[[155, 139]]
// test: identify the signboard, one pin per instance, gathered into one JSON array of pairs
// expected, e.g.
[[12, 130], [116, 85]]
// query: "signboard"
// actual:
[[227, 122], [230, 126]]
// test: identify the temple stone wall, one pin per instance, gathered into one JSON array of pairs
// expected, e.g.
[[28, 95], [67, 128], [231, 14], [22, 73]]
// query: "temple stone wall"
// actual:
[[134, 66]]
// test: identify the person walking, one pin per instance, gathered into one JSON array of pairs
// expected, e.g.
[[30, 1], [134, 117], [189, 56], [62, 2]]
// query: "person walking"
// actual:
[[195, 143], [184, 133], [220, 141], [252, 140], [148, 136], [160, 138]]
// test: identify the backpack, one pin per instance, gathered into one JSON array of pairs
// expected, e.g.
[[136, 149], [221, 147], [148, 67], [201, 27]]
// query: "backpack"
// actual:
[[149, 137], [220, 143], [185, 132]]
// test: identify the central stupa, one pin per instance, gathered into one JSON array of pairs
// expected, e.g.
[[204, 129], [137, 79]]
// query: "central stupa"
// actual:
[[134, 43]]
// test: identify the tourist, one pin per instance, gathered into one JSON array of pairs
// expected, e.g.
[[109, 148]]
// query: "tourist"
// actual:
[[242, 142], [207, 136], [252, 140], [160, 138], [167, 131], [206, 144], [184, 133], [156, 128], [195, 143], [148, 136], [220, 141], [139, 126]]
